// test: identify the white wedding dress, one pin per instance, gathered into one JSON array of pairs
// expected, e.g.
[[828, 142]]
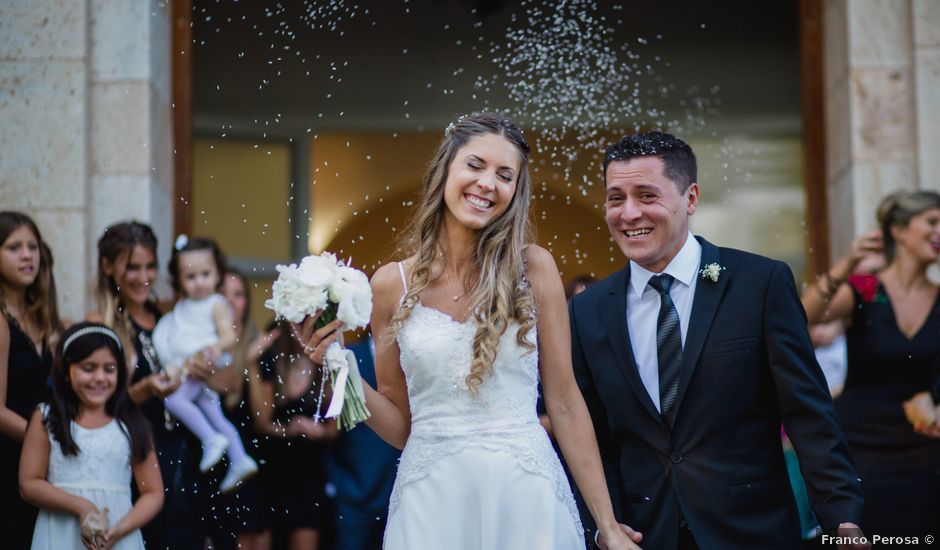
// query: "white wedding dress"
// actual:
[[478, 471]]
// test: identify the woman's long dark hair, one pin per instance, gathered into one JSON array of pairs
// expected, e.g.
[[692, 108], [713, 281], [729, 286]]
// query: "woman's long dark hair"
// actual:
[[118, 242], [66, 405]]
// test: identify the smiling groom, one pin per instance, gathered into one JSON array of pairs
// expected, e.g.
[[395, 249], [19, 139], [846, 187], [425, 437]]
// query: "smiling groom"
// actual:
[[690, 358]]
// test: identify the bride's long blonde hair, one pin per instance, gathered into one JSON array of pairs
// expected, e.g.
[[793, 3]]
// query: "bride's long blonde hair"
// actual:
[[500, 293]]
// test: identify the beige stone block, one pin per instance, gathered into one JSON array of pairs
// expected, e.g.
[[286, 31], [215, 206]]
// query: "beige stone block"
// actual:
[[42, 29], [120, 39], [872, 181], [120, 128], [161, 139], [842, 222], [928, 116], [117, 198], [42, 136], [882, 115], [879, 32], [835, 42], [838, 129], [161, 45], [926, 22], [160, 218], [65, 232]]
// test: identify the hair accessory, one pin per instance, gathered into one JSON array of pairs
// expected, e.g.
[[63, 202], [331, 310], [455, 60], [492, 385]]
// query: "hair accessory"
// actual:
[[450, 127], [181, 242], [91, 330]]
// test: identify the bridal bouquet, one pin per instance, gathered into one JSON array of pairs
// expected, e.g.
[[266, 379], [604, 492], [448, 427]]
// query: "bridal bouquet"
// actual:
[[324, 284]]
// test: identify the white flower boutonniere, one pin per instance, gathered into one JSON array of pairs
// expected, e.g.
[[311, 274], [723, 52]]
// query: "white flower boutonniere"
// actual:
[[711, 272]]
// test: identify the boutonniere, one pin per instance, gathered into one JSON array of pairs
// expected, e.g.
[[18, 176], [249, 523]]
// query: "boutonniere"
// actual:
[[711, 272]]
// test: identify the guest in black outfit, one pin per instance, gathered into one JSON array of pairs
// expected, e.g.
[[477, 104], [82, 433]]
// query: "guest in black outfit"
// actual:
[[361, 469], [893, 347], [293, 480], [127, 270], [242, 524], [28, 327]]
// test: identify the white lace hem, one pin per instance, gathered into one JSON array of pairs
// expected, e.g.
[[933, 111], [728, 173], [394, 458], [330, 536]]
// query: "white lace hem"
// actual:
[[421, 453]]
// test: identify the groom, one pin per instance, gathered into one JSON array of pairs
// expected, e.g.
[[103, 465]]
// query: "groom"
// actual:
[[690, 359]]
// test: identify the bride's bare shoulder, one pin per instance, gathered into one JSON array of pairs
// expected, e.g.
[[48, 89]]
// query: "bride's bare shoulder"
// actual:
[[539, 262], [387, 281]]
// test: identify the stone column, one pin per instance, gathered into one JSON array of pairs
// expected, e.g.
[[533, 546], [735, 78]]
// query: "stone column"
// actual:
[[926, 43], [881, 64], [84, 96]]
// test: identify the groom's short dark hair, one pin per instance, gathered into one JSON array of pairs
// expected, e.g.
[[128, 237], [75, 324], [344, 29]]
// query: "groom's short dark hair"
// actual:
[[678, 159]]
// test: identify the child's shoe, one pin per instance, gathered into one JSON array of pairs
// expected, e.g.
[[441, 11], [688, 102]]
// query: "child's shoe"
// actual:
[[238, 472], [212, 452]]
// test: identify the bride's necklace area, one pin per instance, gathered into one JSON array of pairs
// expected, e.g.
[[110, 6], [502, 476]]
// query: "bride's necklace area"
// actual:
[[455, 296]]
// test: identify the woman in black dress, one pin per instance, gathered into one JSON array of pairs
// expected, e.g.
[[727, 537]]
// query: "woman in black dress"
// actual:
[[28, 326], [241, 513], [127, 270], [293, 480], [893, 350]]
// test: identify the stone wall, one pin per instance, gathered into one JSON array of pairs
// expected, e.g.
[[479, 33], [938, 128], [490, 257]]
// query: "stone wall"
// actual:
[[86, 138], [882, 65]]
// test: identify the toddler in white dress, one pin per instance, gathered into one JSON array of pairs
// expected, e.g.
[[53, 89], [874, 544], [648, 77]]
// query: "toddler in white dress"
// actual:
[[201, 323]]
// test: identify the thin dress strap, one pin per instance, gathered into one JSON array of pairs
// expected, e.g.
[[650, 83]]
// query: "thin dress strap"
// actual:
[[404, 281]]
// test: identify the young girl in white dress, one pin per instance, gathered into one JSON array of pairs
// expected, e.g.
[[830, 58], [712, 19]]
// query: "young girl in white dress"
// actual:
[[201, 323], [82, 449], [458, 363]]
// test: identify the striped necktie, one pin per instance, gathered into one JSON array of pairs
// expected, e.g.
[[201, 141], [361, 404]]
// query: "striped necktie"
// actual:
[[668, 346]]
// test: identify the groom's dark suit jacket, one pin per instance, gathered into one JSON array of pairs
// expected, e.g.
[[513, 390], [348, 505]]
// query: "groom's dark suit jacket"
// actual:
[[747, 366]]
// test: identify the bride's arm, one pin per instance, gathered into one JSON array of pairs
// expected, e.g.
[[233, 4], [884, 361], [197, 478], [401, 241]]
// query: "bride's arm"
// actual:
[[391, 415], [569, 415]]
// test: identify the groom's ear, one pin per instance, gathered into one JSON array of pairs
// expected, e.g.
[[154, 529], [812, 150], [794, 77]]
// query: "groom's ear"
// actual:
[[692, 193]]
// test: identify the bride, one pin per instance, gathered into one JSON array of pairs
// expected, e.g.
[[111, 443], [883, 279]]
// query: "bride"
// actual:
[[458, 362]]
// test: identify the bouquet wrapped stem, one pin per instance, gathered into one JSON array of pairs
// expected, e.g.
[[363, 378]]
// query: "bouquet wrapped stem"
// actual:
[[343, 368]]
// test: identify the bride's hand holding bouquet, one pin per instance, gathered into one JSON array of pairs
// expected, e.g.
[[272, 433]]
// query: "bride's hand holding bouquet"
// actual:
[[322, 297]]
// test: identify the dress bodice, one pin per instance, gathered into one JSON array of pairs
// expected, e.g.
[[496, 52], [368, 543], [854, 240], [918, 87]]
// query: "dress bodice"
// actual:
[[103, 460], [435, 357], [447, 417]]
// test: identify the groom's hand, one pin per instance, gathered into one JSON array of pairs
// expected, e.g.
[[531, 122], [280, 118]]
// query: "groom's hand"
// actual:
[[854, 533], [625, 537]]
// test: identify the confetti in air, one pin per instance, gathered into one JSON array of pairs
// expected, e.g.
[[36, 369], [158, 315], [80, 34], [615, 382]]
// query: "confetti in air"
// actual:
[[571, 77]]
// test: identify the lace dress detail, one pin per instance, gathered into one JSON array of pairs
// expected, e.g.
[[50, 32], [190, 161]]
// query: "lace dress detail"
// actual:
[[100, 472], [448, 419]]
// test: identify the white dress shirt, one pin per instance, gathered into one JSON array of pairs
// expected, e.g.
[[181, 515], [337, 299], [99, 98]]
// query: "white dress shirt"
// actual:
[[643, 309]]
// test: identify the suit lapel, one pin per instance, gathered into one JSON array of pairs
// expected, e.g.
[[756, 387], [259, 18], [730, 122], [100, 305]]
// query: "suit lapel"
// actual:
[[704, 305], [614, 315]]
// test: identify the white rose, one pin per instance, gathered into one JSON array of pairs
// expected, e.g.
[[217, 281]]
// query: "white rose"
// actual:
[[317, 271], [355, 307], [311, 299], [344, 278], [291, 299]]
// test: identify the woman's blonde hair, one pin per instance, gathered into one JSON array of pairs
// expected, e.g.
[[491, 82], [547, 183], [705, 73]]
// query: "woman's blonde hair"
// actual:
[[897, 209], [499, 293]]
